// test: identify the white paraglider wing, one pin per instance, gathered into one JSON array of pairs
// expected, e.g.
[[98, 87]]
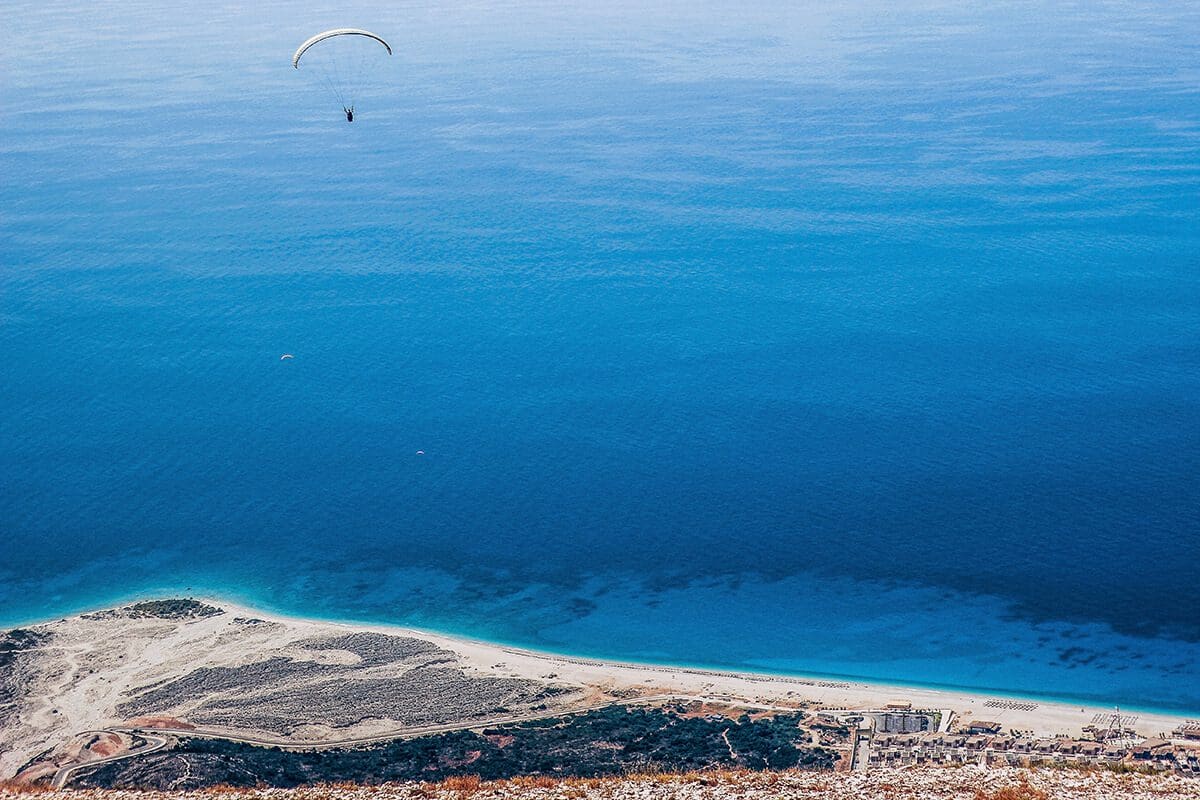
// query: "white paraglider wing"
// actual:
[[344, 60], [320, 37]]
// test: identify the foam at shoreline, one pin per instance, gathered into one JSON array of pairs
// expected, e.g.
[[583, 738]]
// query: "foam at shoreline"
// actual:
[[864, 689]]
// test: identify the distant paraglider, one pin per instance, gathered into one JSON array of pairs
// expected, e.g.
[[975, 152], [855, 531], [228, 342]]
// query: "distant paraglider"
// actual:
[[341, 60]]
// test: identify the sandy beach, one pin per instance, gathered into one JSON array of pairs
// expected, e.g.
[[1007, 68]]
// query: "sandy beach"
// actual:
[[1044, 719], [268, 678]]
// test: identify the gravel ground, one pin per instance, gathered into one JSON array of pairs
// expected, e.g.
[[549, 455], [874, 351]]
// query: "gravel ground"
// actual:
[[420, 696]]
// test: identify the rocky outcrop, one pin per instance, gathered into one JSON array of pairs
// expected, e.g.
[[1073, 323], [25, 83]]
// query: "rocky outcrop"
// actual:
[[884, 784]]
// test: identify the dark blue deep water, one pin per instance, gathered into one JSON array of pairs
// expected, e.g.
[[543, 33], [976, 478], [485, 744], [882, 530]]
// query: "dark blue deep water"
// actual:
[[860, 340]]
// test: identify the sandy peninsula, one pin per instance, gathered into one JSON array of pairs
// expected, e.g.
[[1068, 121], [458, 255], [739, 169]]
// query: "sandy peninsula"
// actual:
[[94, 687]]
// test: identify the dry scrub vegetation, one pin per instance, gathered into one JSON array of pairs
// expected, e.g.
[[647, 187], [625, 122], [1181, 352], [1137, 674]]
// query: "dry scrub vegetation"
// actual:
[[886, 784], [1021, 790]]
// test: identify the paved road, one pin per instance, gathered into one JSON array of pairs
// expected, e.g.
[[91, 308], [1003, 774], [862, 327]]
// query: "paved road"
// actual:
[[153, 742], [862, 754], [860, 744], [157, 737], [425, 730]]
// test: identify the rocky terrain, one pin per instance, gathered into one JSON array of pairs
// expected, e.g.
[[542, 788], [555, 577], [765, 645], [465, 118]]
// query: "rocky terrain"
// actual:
[[339, 681], [884, 784], [182, 664], [16, 664]]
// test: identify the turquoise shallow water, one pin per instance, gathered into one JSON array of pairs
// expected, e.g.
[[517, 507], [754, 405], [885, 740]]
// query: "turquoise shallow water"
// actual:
[[855, 341]]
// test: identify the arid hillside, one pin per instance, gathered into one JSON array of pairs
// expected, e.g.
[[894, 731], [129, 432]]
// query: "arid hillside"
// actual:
[[929, 783]]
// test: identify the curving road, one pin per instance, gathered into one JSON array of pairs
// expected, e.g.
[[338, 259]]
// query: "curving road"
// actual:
[[153, 743], [158, 738]]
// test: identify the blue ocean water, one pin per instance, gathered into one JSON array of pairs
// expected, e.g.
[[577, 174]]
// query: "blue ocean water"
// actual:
[[860, 340]]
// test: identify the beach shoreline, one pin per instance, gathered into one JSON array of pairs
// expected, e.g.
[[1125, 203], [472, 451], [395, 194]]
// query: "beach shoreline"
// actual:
[[805, 678], [205, 666], [880, 690], [243, 606]]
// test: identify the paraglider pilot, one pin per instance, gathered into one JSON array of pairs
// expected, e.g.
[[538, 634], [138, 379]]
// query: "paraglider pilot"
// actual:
[[343, 90]]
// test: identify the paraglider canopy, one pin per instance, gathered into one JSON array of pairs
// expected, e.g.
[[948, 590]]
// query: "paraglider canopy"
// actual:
[[320, 37], [341, 57]]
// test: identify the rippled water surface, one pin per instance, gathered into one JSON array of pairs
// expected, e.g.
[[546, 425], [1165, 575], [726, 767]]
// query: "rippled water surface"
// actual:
[[859, 341]]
